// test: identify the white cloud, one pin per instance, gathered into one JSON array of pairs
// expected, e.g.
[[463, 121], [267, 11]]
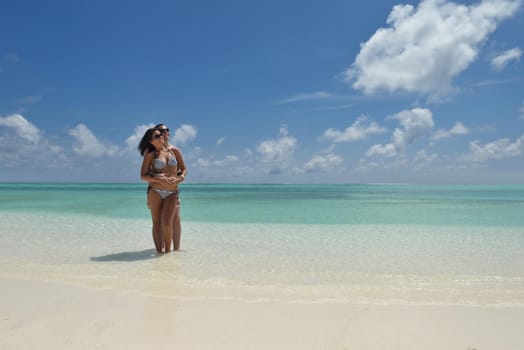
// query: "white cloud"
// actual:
[[423, 159], [308, 96], [202, 162], [21, 144], [357, 131], [457, 129], [415, 123], [387, 150], [499, 149], [210, 162], [133, 140], [328, 150], [277, 152], [395, 164], [323, 163], [422, 156], [87, 144], [22, 127], [224, 169], [229, 159], [365, 165], [498, 63], [425, 47], [184, 134]]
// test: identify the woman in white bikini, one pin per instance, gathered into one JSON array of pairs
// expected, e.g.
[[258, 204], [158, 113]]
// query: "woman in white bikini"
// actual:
[[180, 171], [159, 169]]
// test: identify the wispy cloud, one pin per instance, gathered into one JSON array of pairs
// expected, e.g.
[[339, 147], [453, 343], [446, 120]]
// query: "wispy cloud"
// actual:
[[498, 82], [318, 95], [498, 63]]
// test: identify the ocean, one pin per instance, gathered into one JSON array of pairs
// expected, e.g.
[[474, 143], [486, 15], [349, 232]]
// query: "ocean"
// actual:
[[363, 243]]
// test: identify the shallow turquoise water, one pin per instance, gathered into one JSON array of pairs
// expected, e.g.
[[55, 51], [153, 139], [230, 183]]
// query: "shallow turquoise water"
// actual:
[[430, 243], [293, 204]]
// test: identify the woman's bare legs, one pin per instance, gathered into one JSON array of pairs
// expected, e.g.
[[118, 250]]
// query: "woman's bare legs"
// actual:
[[177, 227], [155, 205], [168, 212]]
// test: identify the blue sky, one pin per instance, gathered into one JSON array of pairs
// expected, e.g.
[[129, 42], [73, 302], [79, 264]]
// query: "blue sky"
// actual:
[[265, 91]]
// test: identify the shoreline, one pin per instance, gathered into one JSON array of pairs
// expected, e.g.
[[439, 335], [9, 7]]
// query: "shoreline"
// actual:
[[169, 286], [54, 315]]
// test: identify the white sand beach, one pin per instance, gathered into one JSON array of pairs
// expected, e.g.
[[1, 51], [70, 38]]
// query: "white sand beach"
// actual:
[[53, 315], [90, 280]]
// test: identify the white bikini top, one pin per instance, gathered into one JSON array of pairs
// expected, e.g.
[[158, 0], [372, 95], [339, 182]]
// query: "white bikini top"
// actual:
[[160, 164]]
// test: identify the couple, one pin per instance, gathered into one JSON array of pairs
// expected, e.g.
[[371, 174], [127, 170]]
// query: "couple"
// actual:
[[163, 168]]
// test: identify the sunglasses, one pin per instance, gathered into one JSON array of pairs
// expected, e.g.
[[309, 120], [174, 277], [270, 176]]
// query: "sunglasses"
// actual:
[[157, 136], [164, 130]]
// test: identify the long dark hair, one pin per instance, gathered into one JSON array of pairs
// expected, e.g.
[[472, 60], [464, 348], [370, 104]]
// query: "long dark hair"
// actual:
[[145, 143]]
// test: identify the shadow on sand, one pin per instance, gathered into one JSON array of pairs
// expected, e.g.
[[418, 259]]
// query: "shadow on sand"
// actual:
[[129, 256]]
